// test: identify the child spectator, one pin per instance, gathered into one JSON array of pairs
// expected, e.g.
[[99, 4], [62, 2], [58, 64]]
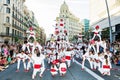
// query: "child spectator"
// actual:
[[3, 62], [118, 61], [9, 59]]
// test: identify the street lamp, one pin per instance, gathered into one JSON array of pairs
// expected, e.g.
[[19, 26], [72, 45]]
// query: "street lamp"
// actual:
[[109, 20]]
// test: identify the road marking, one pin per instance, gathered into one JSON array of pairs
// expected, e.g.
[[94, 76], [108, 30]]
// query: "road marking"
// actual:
[[90, 72]]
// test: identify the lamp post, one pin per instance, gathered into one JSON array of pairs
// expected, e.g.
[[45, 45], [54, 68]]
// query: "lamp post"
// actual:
[[109, 20]]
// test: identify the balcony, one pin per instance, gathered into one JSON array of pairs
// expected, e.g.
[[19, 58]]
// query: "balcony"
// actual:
[[6, 34], [7, 24], [18, 27]]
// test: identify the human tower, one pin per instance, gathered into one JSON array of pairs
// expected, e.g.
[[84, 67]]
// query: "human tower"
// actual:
[[31, 53], [97, 54], [59, 53]]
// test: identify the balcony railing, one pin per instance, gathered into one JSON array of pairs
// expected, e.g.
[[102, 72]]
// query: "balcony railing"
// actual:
[[19, 36], [6, 34], [17, 27]]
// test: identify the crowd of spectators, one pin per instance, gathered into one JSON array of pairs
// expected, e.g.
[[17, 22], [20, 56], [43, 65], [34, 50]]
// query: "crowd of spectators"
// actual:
[[8, 54], [116, 52]]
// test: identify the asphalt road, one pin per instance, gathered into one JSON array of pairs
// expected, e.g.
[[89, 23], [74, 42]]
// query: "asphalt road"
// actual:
[[73, 73]]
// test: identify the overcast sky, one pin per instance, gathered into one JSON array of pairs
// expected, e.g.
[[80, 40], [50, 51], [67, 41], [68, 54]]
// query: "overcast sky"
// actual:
[[46, 11]]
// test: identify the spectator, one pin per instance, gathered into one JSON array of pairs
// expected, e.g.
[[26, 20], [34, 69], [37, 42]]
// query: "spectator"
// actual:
[[118, 62], [9, 59]]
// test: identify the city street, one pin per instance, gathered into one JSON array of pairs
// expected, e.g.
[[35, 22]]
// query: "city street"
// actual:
[[73, 73], [46, 34]]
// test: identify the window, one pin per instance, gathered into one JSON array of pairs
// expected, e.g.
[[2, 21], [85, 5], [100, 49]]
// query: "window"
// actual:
[[8, 10], [7, 30], [7, 19], [66, 11], [13, 32], [17, 33], [8, 1]]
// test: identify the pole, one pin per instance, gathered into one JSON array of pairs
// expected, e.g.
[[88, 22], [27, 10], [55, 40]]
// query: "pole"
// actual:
[[109, 20]]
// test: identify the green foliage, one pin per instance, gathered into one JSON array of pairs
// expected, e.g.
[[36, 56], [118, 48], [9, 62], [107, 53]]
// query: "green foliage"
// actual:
[[16, 39]]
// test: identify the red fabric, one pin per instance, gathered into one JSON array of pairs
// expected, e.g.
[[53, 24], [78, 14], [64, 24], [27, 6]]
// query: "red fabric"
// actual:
[[56, 32], [68, 57], [63, 69], [96, 33], [55, 61], [63, 60], [65, 31], [92, 42], [52, 70], [32, 34], [37, 66], [30, 28], [61, 25], [106, 66], [3, 61]]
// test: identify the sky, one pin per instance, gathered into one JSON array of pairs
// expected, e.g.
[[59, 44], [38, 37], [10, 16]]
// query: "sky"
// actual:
[[46, 11]]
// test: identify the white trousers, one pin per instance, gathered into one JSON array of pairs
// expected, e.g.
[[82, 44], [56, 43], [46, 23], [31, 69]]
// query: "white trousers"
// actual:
[[29, 64], [68, 63], [41, 70], [18, 63]]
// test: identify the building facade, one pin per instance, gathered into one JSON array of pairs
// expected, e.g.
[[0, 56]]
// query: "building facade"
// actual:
[[15, 19], [99, 16], [71, 22], [11, 20], [86, 25]]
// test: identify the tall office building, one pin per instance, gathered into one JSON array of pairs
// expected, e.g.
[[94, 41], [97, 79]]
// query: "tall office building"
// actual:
[[86, 24]]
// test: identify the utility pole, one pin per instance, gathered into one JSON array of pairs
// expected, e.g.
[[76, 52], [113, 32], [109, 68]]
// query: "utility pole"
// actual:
[[109, 20]]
